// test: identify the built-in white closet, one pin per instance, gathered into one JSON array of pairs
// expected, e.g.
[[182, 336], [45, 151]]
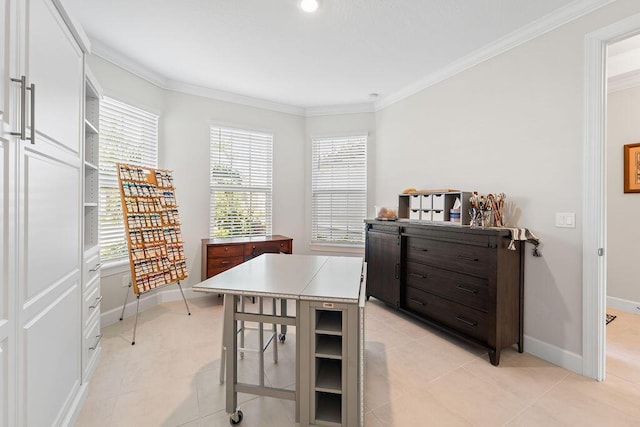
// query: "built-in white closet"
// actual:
[[41, 180]]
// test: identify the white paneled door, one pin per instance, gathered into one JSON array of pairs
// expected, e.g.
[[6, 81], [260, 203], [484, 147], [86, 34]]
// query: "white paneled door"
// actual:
[[48, 218], [7, 234]]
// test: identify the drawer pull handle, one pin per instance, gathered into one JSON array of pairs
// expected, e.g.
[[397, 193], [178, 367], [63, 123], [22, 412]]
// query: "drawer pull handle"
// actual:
[[420, 249], [96, 303], [95, 345], [225, 262], [417, 301], [422, 276], [463, 288], [466, 322], [96, 268], [468, 258]]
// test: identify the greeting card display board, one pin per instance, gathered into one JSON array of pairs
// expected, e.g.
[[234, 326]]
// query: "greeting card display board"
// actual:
[[152, 225]]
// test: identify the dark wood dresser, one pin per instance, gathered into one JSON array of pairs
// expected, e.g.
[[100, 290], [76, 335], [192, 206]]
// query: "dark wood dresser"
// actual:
[[219, 255], [462, 280]]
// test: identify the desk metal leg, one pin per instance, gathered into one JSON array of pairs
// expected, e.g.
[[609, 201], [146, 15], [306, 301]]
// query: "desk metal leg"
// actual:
[[231, 346], [283, 312]]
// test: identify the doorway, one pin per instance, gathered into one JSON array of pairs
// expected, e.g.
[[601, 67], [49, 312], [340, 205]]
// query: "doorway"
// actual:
[[594, 206]]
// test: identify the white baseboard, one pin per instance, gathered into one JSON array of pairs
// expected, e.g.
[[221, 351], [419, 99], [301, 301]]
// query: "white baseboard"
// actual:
[[148, 301], [624, 305], [551, 353]]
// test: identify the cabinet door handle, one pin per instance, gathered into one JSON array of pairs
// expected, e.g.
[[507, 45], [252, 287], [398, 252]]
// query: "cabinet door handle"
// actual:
[[225, 262], [417, 301], [95, 344], [96, 267], [468, 258], [23, 107], [465, 289], [466, 322], [420, 249], [95, 304], [32, 88], [422, 276], [396, 268]]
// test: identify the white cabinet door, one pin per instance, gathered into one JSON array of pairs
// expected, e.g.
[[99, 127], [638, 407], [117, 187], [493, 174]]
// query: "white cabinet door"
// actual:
[[7, 233], [49, 219]]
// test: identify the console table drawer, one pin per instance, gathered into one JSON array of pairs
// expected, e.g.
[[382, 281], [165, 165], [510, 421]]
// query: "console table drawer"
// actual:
[[225, 251], [224, 262], [459, 317], [467, 290], [467, 259], [255, 249]]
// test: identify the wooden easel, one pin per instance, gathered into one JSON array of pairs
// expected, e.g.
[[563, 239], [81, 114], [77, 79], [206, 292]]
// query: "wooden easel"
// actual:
[[152, 225]]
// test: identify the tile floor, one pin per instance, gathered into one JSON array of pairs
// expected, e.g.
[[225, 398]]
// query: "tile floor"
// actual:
[[415, 376]]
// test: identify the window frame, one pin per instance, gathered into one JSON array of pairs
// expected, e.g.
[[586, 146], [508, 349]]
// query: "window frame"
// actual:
[[108, 177], [258, 189], [336, 245]]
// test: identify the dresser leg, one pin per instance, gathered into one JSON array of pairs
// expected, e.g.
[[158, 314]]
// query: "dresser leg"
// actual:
[[520, 347], [494, 357]]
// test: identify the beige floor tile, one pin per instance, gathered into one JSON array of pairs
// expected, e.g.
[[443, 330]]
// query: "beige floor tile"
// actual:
[[414, 376], [580, 401], [96, 412], [417, 410], [523, 375], [477, 401], [259, 412]]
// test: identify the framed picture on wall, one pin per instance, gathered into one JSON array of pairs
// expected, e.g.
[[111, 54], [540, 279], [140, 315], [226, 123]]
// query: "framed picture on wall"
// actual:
[[632, 168]]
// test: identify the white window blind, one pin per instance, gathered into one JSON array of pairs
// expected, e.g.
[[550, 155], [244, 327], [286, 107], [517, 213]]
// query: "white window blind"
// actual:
[[338, 189], [241, 178], [127, 135]]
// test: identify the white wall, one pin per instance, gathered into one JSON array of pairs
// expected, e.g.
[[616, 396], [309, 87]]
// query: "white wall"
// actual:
[[186, 122], [184, 148], [623, 210], [514, 124], [124, 86]]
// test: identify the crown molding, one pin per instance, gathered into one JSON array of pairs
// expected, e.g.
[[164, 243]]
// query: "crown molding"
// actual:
[[623, 81], [74, 26], [543, 25], [220, 95], [340, 109], [529, 32], [116, 58]]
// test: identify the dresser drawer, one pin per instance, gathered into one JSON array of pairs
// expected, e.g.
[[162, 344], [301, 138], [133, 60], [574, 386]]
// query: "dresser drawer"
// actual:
[[459, 317], [467, 259], [224, 262], [259, 248], [468, 290], [224, 251]]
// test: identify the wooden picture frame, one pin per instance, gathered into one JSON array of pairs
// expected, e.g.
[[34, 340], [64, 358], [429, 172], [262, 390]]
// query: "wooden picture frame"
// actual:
[[632, 168]]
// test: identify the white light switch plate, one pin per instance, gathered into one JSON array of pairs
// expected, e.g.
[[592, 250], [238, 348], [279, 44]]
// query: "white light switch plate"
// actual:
[[566, 219]]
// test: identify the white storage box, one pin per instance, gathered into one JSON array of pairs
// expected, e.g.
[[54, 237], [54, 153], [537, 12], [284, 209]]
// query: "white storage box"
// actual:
[[414, 214], [426, 202], [437, 215], [414, 201], [437, 201], [426, 215]]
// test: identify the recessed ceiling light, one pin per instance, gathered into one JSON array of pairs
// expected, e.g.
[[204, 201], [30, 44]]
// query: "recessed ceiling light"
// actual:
[[309, 6]]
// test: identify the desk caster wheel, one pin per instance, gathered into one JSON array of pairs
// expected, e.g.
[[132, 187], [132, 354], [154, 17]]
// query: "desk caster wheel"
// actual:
[[282, 338], [235, 418]]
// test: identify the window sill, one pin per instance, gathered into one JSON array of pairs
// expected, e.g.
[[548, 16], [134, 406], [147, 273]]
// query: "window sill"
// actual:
[[346, 249]]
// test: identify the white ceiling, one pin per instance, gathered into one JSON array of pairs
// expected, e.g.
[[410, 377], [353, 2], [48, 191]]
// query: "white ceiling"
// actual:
[[272, 51]]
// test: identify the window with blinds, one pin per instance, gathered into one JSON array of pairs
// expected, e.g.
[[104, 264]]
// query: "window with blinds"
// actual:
[[127, 135], [338, 189], [241, 177]]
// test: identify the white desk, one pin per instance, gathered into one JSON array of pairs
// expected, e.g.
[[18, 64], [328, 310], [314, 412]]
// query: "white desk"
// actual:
[[324, 289]]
